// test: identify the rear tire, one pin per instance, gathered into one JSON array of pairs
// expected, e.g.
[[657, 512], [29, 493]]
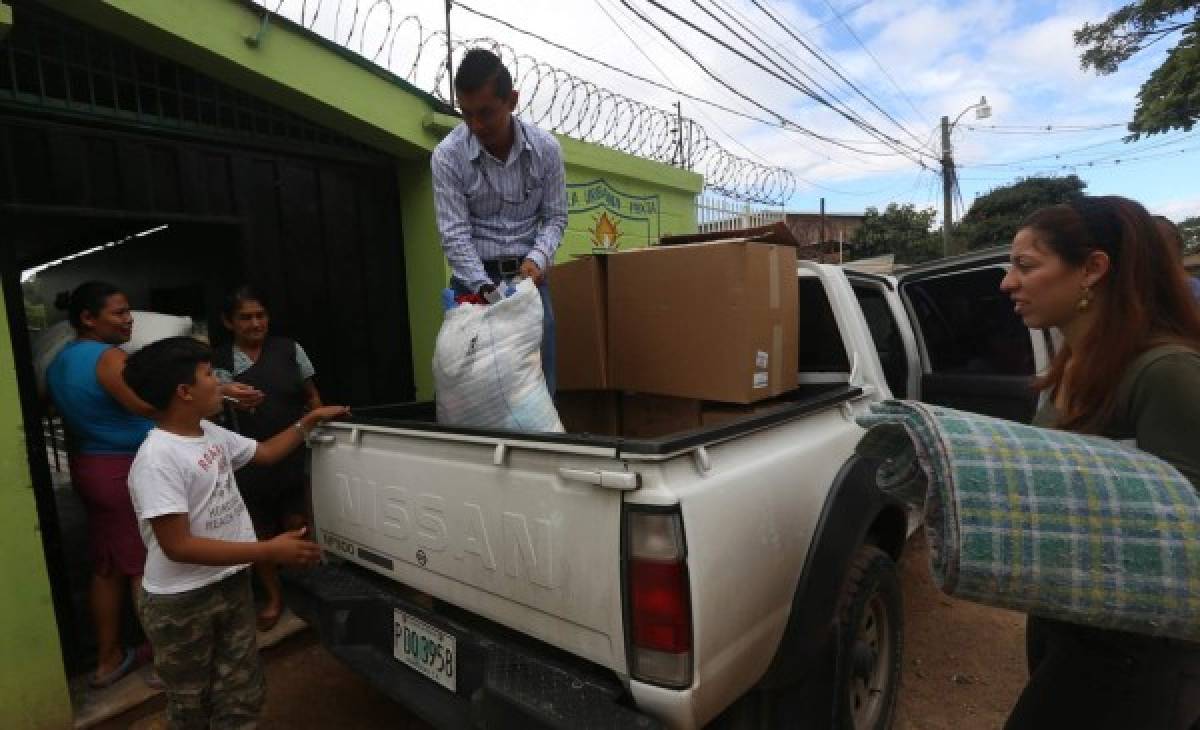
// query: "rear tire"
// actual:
[[748, 713], [870, 643]]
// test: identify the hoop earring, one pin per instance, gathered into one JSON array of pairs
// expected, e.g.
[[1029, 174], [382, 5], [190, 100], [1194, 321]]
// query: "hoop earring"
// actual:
[[1085, 299]]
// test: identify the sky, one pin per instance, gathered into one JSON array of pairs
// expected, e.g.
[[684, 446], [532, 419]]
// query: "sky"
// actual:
[[900, 65]]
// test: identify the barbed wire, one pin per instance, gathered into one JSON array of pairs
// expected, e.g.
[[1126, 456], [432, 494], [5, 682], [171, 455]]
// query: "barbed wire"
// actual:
[[550, 97]]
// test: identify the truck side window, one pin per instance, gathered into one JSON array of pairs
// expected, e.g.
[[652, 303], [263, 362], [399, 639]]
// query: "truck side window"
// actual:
[[821, 347], [969, 325], [888, 341]]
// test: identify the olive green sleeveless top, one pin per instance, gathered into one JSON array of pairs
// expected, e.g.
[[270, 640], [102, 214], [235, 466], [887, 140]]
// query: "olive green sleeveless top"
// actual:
[[1158, 408]]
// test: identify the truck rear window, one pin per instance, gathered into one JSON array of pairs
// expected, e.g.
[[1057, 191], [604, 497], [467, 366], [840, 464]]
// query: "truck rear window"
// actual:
[[820, 341]]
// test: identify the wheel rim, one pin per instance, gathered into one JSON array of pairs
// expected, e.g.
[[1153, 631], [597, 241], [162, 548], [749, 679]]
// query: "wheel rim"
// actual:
[[871, 668]]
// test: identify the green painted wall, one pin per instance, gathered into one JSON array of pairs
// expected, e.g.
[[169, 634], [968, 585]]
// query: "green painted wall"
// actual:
[[317, 79], [5, 19], [425, 268], [33, 688]]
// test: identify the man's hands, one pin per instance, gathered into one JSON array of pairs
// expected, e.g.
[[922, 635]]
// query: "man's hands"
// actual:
[[247, 396], [290, 548], [531, 270]]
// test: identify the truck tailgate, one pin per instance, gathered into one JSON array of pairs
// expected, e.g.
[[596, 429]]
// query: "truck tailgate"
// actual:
[[484, 526]]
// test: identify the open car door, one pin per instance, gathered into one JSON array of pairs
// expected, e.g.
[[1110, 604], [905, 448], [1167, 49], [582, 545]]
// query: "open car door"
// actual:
[[973, 352]]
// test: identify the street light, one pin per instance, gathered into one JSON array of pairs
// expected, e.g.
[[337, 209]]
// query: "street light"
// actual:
[[982, 111]]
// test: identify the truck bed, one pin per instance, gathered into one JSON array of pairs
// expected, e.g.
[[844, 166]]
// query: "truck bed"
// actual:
[[421, 416], [526, 530]]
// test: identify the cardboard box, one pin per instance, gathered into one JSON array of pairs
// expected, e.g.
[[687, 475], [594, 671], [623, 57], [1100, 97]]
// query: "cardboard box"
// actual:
[[578, 292], [711, 321], [717, 414], [653, 416], [590, 411], [640, 415], [628, 415], [720, 414]]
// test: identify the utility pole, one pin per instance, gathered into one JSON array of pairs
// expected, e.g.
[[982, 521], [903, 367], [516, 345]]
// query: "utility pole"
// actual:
[[679, 134], [449, 58], [982, 111], [821, 240], [947, 188]]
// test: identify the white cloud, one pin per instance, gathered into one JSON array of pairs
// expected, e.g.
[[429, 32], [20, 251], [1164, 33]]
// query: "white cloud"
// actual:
[[1177, 208]]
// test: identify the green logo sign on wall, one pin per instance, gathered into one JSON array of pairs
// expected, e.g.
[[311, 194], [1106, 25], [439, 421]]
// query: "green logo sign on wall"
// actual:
[[612, 215]]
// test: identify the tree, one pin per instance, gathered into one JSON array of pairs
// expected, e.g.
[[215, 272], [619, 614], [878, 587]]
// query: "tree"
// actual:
[[994, 217], [901, 230], [1170, 98], [1190, 228]]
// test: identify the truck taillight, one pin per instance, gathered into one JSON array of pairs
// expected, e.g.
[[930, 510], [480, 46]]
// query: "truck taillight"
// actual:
[[660, 610]]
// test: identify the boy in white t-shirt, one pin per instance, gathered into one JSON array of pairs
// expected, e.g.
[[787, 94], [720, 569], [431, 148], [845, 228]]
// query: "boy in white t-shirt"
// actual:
[[196, 606]]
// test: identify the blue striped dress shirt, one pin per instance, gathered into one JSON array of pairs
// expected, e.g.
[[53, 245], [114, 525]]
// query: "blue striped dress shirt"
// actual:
[[489, 209]]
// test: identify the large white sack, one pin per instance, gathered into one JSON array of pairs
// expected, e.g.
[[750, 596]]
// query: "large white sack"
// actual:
[[46, 346], [487, 365], [147, 327], [151, 327]]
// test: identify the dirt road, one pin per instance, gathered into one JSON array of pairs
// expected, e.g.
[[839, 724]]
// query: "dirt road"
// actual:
[[964, 664], [963, 668]]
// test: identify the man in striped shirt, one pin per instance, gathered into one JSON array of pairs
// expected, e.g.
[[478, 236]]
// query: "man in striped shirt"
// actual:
[[499, 190]]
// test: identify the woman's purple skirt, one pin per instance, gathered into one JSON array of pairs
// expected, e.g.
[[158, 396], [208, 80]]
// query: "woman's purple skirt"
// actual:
[[114, 543]]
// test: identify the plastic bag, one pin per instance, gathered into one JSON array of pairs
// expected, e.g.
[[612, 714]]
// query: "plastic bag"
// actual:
[[487, 365], [152, 326], [46, 346]]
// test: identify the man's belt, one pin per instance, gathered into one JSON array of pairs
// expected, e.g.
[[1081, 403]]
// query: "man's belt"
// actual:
[[503, 267]]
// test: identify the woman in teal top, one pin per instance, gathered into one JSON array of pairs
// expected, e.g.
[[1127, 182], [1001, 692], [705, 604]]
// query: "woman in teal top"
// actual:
[[106, 424], [1100, 271]]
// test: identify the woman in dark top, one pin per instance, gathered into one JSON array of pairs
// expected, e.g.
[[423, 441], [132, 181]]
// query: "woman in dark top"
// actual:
[[1100, 271], [281, 370]]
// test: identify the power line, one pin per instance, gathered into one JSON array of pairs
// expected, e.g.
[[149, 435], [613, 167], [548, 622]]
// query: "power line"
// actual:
[[800, 86], [1097, 163], [784, 122], [1060, 154], [1157, 145], [744, 22], [1040, 128], [783, 119], [849, 113], [577, 106], [732, 138], [878, 65], [820, 57], [637, 47], [847, 11], [780, 123]]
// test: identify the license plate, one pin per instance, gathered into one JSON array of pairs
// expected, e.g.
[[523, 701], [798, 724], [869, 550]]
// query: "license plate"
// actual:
[[427, 649]]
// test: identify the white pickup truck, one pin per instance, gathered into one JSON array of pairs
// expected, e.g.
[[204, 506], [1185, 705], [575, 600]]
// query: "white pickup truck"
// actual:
[[742, 575]]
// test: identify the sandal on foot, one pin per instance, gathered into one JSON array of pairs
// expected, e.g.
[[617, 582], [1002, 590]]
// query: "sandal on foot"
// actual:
[[144, 654], [267, 621], [125, 667], [153, 681]]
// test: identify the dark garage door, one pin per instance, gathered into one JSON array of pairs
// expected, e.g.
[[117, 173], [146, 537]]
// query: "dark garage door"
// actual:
[[92, 128]]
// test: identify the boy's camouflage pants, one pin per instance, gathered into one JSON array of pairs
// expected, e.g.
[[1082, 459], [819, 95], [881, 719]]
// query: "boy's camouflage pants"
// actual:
[[205, 653]]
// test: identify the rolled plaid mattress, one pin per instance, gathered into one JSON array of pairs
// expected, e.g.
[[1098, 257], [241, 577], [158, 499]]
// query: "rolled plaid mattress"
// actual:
[[1057, 524]]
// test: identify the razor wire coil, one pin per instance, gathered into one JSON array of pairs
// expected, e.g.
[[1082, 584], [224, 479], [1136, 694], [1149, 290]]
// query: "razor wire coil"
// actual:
[[550, 97]]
